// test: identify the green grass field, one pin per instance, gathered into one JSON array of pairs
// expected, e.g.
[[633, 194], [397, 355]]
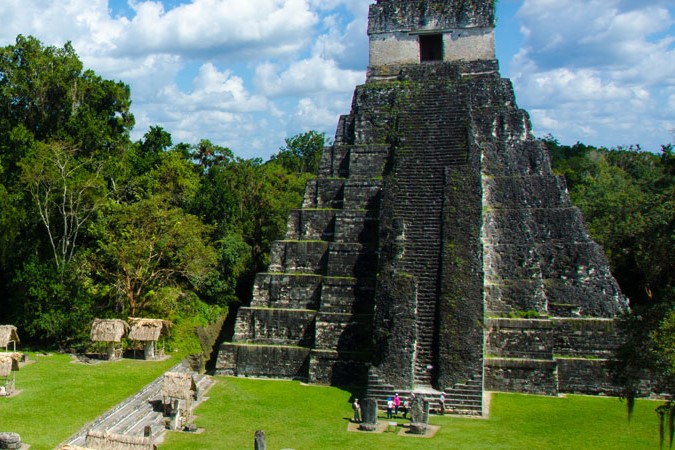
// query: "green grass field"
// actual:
[[59, 397], [301, 417]]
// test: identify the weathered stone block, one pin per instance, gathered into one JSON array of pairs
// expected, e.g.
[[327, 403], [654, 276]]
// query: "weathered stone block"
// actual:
[[324, 193], [311, 224], [275, 326], [351, 260], [343, 332], [419, 416], [356, 226], [587, 337], [260, 440], [511, 296], [298, 256], [265, 361], [593, 296], [367, 161], [341, 368], [521, 375], [347, 295], [335, 161], [537, 191], [10, 440], [363, 194], [287, 291], [369, 412], [586, 376], [519, 338], [515, 156], [511, 262]]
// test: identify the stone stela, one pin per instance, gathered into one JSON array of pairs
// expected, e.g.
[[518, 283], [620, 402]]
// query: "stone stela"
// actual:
[[436, 250]]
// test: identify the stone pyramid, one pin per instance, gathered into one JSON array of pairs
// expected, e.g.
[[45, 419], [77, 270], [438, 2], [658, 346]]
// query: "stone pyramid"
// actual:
[[436, 251]]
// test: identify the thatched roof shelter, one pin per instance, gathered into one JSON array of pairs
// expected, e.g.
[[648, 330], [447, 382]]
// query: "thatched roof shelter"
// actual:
[[8, 334], [100, 440], [178, 385], [72, 447], [9, 362], [108, 330], [147, 330]]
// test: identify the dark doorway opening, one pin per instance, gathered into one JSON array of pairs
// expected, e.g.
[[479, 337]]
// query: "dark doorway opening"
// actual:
[[431, 47]]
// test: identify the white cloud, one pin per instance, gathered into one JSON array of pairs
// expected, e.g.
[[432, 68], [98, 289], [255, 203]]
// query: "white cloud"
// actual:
[[216, 91], [307, 76], [247, 73], [597, 69], [319, 113], [220, 28]]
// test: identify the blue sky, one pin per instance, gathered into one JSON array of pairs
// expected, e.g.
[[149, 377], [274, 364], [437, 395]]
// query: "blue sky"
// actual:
[[247, 74]]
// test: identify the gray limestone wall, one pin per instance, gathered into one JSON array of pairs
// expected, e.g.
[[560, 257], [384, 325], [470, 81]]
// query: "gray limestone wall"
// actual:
[[408, 15], [275, 326], [585, 376], [264, 361], [338, 368], [575, 351], [289, 291], [317, 295], [520, 338], [529, 376], [460, 307], [538, 255]]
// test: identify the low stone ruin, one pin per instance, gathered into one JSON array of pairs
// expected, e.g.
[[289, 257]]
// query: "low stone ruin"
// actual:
[[368, 415], [260, 442], [419, 418], [10, 440]]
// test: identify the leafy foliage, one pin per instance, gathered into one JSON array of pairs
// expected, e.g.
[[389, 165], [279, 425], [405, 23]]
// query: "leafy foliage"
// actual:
[[302, 153], [94, 225], [627, 197]]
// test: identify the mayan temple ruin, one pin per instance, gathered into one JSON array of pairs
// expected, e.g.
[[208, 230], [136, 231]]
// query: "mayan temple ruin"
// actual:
[[436, 251]]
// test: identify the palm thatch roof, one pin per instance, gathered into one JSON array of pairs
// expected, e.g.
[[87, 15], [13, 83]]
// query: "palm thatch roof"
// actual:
[[8, 334], [178, 385], [147, 329], [72, 447], [100, 440], [108, 330], [9, 362]]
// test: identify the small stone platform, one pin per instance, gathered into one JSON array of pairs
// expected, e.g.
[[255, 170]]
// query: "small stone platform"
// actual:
[[144, 409]]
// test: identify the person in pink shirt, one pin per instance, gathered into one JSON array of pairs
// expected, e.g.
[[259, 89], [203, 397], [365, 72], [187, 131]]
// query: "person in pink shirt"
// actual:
[[397, 403]]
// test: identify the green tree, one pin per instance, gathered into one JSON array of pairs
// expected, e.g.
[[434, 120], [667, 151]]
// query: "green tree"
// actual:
[[627, 197], [44, 90], [66, 190], [302, 153], [150, 254]]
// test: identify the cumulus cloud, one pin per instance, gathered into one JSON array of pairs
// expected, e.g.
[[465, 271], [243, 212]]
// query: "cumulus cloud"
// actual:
[[247, 74], [307, 76], [155, 44], [597, 69], [222, 28]]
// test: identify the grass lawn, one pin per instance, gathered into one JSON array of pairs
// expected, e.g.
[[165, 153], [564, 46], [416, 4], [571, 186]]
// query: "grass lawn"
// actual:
[[301, 417], [59, 397]]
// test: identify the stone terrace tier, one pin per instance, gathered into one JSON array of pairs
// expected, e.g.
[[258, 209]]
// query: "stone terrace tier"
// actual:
[[311, 313]]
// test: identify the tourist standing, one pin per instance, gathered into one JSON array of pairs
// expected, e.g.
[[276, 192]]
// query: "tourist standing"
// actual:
[[405, 408], [390, 408], [442, 402], [357, 410], [397, 403]]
